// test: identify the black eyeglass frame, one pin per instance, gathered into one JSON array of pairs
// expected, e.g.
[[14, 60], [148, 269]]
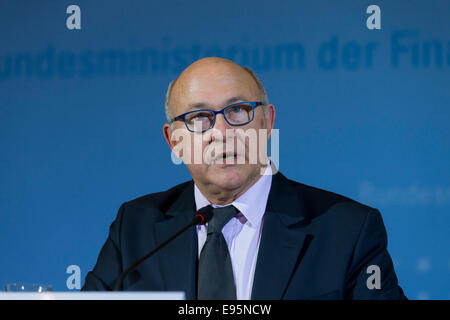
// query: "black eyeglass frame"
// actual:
[[254, 104]]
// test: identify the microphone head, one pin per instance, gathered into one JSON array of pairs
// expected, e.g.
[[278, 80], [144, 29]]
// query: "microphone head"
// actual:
[[204, 214]]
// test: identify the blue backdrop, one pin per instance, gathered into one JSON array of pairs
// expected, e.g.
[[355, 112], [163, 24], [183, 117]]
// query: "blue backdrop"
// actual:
[[361, 112]]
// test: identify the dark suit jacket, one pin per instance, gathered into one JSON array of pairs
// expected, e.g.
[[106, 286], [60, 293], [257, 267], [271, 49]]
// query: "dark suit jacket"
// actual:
[[314, 245]]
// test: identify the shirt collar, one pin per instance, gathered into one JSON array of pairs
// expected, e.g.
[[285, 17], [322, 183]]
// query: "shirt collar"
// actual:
[[252, 203]]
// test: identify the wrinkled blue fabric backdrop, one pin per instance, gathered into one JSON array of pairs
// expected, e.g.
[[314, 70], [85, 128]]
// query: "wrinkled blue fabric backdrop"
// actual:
[[364, 113]]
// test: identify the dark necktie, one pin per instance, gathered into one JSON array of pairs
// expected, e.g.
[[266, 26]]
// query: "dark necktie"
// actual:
[[215, 272]]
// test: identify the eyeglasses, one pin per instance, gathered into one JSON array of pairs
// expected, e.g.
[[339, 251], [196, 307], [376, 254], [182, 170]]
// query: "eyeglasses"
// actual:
[[236, 114]]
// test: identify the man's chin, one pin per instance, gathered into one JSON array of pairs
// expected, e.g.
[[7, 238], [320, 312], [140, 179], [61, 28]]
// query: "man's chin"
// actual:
[[227, 176]]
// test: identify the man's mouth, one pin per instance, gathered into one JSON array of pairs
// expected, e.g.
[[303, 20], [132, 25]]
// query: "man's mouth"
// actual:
[[226, 159]]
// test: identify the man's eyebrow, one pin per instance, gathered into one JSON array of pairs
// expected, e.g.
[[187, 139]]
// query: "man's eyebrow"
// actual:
[[204, 105]]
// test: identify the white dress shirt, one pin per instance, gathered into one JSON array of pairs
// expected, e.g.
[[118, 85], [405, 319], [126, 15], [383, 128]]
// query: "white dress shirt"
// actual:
[[243, 232]]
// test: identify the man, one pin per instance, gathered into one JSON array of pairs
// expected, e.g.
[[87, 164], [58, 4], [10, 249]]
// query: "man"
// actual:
[[269, 237]]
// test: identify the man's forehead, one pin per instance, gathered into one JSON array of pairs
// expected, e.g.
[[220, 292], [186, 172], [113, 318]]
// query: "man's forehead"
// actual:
[[195, 93], [212, 83], [205, 104], [204, 99]]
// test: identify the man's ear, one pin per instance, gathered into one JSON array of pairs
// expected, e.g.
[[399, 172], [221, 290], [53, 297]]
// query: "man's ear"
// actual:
[[270, 119], [167, 131], [173, 138]]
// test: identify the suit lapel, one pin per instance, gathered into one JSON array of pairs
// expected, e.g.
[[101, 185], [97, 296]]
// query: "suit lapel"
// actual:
[[282, 241], [178, 259], [280, 249]]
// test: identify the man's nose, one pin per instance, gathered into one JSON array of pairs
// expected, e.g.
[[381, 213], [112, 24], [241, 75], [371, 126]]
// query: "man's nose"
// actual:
[[219, 131], [221, 124]]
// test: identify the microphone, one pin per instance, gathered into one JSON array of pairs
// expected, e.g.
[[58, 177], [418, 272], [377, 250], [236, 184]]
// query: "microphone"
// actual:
[[201, 217]]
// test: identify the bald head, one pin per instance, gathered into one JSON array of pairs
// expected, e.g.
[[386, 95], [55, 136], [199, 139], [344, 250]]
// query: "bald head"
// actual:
[[213, 84], [206, 78]]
